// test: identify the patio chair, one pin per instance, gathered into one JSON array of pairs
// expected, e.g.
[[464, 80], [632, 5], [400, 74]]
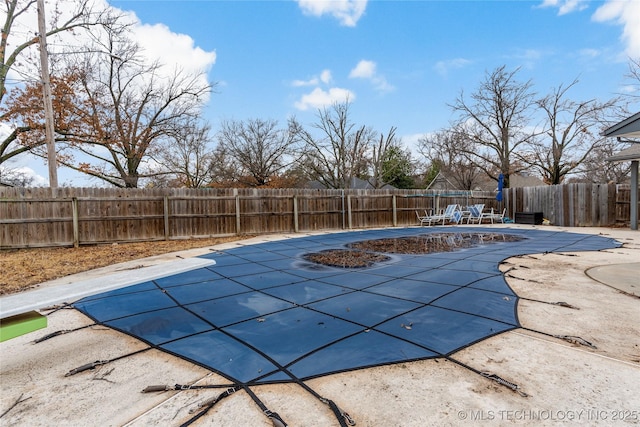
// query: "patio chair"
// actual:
[[475, 211], [422, 220], [451, 213], [493, 216]]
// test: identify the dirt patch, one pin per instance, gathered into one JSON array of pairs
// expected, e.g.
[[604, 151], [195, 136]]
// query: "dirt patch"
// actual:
[[435, 242], [367, 252], [346, 258], [23, 268]]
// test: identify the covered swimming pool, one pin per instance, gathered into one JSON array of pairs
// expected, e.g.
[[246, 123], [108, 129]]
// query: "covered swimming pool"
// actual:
[[265, 313]]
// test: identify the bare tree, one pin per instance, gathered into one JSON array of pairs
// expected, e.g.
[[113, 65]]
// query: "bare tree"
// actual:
[[15, 45], [496, 121], [380, 154], [597, 169], [18, 58], [632, 94], [339, 154], [259, 148], [118, 110], [186, 155], [571, 132], [224, 171], [115, 109], [448, 150]]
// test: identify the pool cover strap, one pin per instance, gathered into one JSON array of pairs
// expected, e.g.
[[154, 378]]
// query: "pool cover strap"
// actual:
[[273, 416], [61, 332], [343, 418], [205, 406]]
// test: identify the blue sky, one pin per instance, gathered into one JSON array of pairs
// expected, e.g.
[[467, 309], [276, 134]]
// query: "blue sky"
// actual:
[[400, 62], [425, 53]]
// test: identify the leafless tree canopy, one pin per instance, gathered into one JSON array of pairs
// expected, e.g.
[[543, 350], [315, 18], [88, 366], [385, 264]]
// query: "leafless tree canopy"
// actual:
[[571, 133], [597, 169], [260, 148], [116, 110], [632, 93], [448, 151], [380, 158], [339, 153], [495, 120], [185, 157], [18, 53]]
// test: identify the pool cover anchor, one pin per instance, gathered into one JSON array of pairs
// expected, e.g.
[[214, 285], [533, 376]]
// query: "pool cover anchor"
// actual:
[[573, 339], [576, 340], [93, 365], [86, 367], [212, 401], [204, 407], [342, 416], [490, 376], [61, 332], [513, 386], [558, 303]]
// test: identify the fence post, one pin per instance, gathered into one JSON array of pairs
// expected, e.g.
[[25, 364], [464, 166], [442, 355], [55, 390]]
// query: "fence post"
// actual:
[[349, 219], [165, 211], [295, 213], [395, 210], [76, 226], [343, 219], [237, 210]]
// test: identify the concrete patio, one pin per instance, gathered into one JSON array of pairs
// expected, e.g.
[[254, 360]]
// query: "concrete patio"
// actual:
[[565, 382]]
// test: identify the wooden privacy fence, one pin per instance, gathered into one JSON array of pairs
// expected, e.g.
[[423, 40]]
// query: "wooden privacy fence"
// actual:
[[573, 205], [38, 217]]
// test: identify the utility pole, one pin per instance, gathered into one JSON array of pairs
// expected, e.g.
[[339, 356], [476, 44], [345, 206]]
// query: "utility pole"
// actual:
[[48, 105]]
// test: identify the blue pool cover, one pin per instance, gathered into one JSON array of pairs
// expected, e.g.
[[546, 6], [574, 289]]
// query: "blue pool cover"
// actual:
[[264, 314]]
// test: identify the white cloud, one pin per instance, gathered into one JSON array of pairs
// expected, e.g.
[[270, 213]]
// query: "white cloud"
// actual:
[[566, 6], [367, 70], [348, 12], [325, 77], [319, 98], [411, 143], [443, 67], [172, 49], [627, 14], [37, 180], [622, 12], [5, 130], [630, 89], [301, 83], [589, 53], [158, 41]]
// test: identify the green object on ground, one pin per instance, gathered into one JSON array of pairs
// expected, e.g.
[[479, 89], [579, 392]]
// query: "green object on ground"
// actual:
[[20, 324]]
